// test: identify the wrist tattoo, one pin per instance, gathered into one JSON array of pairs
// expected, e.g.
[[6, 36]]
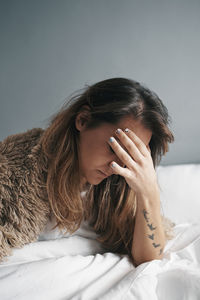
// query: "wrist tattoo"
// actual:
[[151, 236], [151, 227], [145, 215], [155, 245]]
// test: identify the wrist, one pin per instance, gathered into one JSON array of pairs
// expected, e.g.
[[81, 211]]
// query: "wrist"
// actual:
[[152, 198]]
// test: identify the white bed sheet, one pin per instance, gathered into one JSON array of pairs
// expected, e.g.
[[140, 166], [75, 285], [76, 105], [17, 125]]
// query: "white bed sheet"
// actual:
[[74, 267]]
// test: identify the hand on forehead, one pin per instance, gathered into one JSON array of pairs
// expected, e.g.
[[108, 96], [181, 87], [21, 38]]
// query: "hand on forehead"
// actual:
[[136, 126]]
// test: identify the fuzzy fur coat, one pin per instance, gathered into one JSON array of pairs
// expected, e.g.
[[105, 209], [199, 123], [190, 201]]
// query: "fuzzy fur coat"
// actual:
[[24, 206]]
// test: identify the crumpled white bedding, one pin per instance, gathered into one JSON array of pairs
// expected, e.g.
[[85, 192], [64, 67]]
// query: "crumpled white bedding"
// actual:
[[60, 266]]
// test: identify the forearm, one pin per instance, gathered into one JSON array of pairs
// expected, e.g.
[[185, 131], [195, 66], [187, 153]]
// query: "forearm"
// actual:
[[149, 237]]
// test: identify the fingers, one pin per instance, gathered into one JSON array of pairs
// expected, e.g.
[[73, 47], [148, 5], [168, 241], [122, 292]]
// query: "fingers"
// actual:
[[130, 150], [117, 169], [137, 141], [149, 149], [134, 147], [121, 153]]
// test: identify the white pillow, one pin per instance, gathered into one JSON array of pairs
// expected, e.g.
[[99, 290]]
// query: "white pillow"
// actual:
[[180, 192]]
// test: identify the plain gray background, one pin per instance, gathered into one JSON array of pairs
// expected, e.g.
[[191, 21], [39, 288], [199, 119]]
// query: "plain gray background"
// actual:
[[49, 49]]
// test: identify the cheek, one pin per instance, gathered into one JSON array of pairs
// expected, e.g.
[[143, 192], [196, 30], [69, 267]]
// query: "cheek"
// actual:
[[97, 156], [91, 151], [95, 152]]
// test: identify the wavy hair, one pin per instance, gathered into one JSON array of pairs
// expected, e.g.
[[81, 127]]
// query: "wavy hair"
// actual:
[[110, 206]]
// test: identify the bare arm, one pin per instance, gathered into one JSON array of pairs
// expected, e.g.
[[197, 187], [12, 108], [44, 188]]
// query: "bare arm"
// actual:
[[149, 237]]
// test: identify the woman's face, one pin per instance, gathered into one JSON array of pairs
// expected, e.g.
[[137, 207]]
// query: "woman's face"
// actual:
[[95, 154]]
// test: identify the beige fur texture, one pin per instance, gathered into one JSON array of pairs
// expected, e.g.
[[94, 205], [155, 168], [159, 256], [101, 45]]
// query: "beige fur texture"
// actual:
[[24, 206]]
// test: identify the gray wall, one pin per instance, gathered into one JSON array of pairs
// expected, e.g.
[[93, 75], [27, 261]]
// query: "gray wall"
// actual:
[[48, 49]]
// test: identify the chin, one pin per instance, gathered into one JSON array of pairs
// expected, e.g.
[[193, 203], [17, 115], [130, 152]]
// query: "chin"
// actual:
[[95, 177], [94, 181]]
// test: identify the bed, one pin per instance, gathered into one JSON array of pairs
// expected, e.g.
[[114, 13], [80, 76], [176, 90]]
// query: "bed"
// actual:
[[59, 266]]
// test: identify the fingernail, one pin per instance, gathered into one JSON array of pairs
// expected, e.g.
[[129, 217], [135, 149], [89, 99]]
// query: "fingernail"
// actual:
[[113, 165], [126, 130], [118, 130], [111, 139]]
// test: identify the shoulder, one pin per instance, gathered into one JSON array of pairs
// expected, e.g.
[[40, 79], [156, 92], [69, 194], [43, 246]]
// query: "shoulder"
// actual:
[[16, 149], [20, 141], [24, 136]]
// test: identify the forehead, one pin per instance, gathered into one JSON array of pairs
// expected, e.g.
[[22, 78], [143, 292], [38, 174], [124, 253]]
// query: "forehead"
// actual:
[[135, 125]]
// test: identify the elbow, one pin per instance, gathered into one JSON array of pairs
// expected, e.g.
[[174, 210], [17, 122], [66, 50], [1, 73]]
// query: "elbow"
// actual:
[[138, 262], [144, 259]]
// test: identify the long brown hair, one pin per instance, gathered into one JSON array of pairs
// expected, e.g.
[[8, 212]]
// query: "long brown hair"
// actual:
[[111, 205]]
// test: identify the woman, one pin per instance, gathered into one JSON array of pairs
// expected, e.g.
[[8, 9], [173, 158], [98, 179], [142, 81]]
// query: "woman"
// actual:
[[106, 142]]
